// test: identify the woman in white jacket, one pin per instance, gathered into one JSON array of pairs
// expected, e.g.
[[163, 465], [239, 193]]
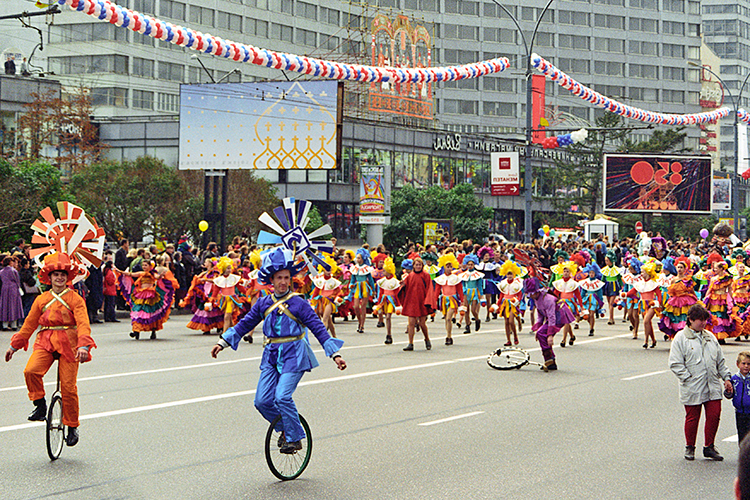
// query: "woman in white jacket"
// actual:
[[696, 358]]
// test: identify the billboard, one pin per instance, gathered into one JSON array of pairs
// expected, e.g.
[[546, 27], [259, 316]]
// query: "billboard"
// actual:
[[657, 183], [371, 190], [504, 174], [433, 230], [259, 125], [722, 197]]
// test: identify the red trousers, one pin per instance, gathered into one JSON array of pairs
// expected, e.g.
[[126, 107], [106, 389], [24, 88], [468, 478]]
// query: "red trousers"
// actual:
[[37, 366], [693, 416]]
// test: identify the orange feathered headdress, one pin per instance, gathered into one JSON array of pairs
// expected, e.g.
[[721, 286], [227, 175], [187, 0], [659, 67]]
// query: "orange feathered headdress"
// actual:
[[579, 259]]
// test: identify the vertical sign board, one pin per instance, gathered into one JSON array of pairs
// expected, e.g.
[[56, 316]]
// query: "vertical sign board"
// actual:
[[722, 197], [505, 174], [433, 230], [371, 193]]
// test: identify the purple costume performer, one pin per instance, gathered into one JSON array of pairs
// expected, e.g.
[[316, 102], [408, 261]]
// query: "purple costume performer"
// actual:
[[550, 319]]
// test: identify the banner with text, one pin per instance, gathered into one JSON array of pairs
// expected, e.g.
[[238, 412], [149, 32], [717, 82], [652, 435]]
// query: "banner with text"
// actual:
[[505, 174]]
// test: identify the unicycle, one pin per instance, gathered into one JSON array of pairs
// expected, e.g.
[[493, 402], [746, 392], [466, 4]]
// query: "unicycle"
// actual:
[[508, 358], [55, 427], [287, 466]]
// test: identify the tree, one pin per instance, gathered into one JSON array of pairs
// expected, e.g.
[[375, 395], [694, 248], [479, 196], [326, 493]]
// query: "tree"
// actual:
[[409, 206], [62, 123], [131, 198], [579, 180], [26, 189]]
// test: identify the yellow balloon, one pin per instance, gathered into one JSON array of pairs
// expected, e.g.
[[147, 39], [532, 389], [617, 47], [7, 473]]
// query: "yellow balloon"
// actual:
[[203, 225], [545, 228]]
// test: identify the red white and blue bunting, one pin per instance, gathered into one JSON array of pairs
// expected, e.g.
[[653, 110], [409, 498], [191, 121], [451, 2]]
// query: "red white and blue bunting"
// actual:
[[599, 100], [107, 11]]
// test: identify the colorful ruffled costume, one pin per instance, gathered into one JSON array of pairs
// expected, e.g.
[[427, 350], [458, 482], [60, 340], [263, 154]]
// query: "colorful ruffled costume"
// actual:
[[150, 299], [681, 297], [741, 299], [719, 303], [197, 297]]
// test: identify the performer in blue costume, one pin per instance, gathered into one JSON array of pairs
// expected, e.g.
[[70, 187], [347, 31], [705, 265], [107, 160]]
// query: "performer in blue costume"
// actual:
[[287, 354]]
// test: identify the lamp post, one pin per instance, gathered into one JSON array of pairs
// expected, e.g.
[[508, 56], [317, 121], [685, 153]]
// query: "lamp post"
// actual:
[[527, 177], [736, 106]]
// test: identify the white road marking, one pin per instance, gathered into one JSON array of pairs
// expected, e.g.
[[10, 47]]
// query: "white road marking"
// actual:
[[645, 375], [449, 419], [215, 397], [732, 439]]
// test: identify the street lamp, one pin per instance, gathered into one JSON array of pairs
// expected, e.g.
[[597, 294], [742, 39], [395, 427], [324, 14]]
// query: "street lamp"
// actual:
[[527, 177], [736, 106]]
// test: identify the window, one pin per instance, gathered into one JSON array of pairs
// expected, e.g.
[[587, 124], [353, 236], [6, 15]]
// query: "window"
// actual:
[[643, 48], [641, 24], [306, 37], [644, 71], [532, 14], [393, 4], [456, 106], [643, 94], [498, 84], [694, 29], [287, 7], [143, 99], [611, 2], [464, 7], [109, 96], [465, 84], [677, 96], [170, 8], [677, 74], [673, 28], [610, 45], [87, 32], [331, 43], [611, 91], [228, 21], [330, 16], [543, 39], [573, 42], [500, 109], [609, 68], [144, 6], [694, 7], [455, 56], [674, 5], [171, 71], [143, 67], [574, 65], [281, 32], [573, 17], [201, 15], [169, 102], [673, 50], [89, 64], [645, 4], [307, 10], [461, 32], [608, 21], [430, 5]]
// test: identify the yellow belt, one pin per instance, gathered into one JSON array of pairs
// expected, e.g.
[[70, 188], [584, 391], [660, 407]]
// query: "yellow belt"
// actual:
[[57, 328], [282, 340]]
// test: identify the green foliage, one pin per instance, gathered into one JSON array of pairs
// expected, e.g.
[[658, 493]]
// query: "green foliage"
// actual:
[[26, 189], [130, 198], [316, 221], [669, 225], [409, 206]]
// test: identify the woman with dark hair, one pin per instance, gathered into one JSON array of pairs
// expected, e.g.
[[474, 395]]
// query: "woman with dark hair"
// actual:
[[696, 359], [418, 302], [11, 306]]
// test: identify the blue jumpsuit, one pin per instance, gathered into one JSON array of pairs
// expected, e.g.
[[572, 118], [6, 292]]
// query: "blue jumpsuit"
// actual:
[[282, 365]]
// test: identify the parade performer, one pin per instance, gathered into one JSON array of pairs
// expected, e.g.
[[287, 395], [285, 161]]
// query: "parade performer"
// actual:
[[568, 293], [378, 261], [550, 317], [511, 291], [449, 290], [681, 296], [197, 297], [326, 294], [387, 302], [150, 298], [64, 334], [345, 309], [629, 278], [417, 299], [592, 294], [287, 354], [473, 288], [430, 266], [738, 257], [489, 268], [561, 257], [649, 299], [612, 283], [580, 259], [228, 293], [719, 299], [361, 286], [741, 299], [701, 278]]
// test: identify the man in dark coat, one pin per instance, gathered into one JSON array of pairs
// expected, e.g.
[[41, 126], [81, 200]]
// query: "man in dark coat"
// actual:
[[95, 297]]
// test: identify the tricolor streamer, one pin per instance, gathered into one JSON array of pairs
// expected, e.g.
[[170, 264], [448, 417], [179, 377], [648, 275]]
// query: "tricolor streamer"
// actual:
[[599, 100], [107, 11]]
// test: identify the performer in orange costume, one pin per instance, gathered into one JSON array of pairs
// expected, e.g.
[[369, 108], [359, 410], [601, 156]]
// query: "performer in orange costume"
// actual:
[[64, 334]]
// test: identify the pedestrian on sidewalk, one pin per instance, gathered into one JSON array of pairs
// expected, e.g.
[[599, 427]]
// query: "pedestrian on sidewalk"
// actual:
[[695, 357]]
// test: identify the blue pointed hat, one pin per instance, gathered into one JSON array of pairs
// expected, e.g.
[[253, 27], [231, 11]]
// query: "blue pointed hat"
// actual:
[[275, 260]]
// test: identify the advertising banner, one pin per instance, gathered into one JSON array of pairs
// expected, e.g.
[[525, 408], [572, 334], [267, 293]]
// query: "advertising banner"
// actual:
[[657, 183], [504, 173], [371, 190], [433, 230], [722, 198]]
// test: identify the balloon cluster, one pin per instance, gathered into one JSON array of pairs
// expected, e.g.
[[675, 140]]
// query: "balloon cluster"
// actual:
[[565, 139], [704, 233], [545, 231], [108, 11], [597, 99]]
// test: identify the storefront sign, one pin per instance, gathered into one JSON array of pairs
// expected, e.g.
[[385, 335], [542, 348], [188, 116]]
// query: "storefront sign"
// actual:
[[372, 219], [505, 175]]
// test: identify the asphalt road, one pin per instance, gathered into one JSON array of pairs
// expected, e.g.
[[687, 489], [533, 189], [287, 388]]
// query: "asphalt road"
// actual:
[[161, 419]]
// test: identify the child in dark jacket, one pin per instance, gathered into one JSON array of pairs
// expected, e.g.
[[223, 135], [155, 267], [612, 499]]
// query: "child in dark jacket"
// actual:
[[741, 394]]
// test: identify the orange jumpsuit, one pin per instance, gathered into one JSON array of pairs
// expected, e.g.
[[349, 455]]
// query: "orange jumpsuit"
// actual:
[[63, 323]]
